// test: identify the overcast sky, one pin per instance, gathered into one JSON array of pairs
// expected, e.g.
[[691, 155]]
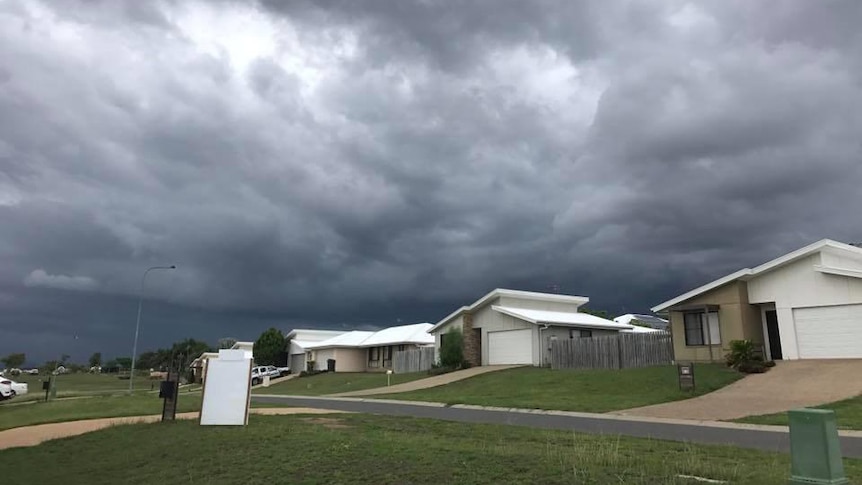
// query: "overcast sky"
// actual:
[[365, 163]]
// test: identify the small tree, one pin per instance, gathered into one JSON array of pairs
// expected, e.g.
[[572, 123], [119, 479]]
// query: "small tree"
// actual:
[[14, 360], [124, 362], [226, 342], [452, 349], [96, 359], [596, 313], [269, 347]]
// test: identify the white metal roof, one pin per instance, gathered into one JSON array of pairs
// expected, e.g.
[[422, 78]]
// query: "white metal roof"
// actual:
[[748, 273], [524, 295], [416, 333], [573, 319], [651, 319], [637, 329], [349, 339], [313, 334]]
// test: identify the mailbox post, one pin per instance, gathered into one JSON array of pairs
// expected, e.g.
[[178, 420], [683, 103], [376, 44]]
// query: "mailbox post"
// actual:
[[50, 388], [169, 391], [686, 376]]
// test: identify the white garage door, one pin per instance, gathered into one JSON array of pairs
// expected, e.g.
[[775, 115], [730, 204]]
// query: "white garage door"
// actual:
[[831, 332], [510, 347]]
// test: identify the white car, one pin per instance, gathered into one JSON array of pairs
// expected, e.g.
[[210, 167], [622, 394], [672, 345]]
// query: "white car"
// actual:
[[259, 372], [10, 388]]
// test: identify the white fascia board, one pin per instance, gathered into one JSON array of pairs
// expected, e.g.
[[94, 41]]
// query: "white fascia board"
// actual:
[[527, 295], [702, 289], [850, 273]]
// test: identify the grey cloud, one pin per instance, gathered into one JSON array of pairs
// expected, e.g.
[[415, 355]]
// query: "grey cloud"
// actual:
[[356, 163]]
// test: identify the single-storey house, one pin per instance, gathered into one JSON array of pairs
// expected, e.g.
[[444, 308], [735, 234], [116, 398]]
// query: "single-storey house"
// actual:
[[199, 365], [517, 327], [298, 342], [806, 304], [362, 351]]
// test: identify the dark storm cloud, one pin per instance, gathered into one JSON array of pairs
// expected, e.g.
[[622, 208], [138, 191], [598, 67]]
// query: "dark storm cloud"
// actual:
[[360, 163]]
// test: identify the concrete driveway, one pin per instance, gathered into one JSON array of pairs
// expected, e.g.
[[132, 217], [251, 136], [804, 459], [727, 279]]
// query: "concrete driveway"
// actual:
[[789, 385]]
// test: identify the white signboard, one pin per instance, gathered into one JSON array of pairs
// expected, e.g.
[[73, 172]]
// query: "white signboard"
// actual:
[[227, 389]]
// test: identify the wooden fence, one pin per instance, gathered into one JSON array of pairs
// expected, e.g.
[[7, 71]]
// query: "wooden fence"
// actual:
[[413, 360], [621, 351]]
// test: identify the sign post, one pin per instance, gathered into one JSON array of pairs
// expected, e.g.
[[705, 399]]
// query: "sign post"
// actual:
[[169, 391], [686, 376]]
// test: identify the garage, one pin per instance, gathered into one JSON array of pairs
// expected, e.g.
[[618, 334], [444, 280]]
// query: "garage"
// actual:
[[510, 347], [830, 332]]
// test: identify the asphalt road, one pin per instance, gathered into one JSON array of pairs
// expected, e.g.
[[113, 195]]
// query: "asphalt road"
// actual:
[[851, 447]]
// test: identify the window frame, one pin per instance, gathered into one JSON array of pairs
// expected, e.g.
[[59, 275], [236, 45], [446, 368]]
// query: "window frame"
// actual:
[[702, 320]]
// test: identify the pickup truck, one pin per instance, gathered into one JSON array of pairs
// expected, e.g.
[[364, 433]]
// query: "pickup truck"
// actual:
[[259, 372]]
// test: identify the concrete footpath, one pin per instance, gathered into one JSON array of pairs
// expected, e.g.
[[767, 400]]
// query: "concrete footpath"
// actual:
[[428, 382], [768, 438], [33, 435]]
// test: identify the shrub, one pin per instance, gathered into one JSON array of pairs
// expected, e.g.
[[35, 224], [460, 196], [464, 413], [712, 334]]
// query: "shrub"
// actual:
[[740, 351], [752, 367], [452, 349], [769, 363]]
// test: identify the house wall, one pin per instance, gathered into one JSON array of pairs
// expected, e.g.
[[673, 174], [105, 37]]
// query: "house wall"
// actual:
[[350, 360], [321, 356], [799, 285], [527, 304], [737, 320]]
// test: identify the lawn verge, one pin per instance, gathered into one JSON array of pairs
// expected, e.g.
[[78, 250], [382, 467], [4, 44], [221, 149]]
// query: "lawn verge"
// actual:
[[348, 449], [335, 382], [848, 414], [594, 391]]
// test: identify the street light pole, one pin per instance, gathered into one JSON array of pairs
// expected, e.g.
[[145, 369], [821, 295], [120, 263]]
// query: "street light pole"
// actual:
[[138, 323]]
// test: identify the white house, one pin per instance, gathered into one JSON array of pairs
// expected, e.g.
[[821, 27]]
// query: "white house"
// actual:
[[517, 327], [361, 351], [199, 365], [806, 304], [298, 342]]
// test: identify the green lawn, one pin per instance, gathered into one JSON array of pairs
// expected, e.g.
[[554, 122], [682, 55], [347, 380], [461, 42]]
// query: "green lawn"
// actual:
[[577, 390], [350, 449], [29, 413], [82, 384], [848, 414], [331, 383]]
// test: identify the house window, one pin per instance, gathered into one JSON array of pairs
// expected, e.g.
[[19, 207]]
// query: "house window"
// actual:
[[373, 354], [387, 352], [580, 333], [401, 347], [696, 331]]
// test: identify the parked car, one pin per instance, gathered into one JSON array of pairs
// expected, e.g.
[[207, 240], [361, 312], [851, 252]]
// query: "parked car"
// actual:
[[10, 388], [259, 372], [32, 372], [283, 371]]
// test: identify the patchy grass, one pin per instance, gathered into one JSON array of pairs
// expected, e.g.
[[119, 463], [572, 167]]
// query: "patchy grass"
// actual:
[[82, 384], [73, 409], [335, 382], [848, 414], [576, 390], [351, 449]]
